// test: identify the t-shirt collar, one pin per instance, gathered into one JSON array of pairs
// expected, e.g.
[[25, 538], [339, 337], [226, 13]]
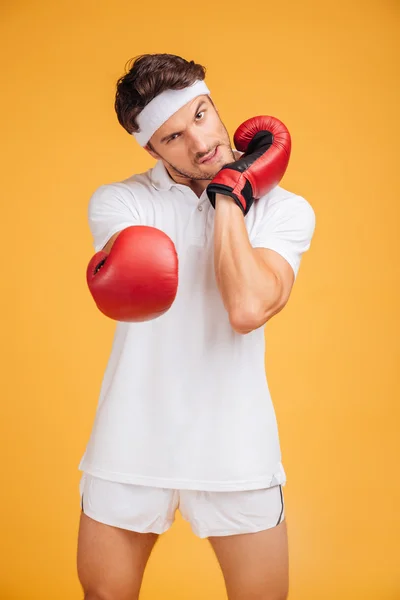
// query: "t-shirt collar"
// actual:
[[160, 177]]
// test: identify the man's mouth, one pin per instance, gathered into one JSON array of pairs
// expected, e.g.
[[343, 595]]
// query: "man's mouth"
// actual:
[[209, 157]]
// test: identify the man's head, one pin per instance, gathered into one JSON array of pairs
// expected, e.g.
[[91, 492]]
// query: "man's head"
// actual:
[[189, 135]]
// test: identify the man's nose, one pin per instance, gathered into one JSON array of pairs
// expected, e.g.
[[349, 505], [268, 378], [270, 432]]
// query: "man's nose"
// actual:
[[199, 145]]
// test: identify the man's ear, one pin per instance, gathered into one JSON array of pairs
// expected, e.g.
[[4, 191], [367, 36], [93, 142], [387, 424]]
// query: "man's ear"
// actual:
[[151, 152]]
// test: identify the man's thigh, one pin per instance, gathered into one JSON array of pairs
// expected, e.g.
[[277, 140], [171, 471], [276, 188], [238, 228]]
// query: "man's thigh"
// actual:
[[255, 565], [110, 560], [119, 525]]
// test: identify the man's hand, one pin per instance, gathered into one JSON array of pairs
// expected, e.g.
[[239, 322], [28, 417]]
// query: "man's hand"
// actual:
[[138, 279], [266, 144]]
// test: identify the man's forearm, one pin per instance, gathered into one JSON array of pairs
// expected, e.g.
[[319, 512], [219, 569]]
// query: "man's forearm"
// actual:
[[246, 284]]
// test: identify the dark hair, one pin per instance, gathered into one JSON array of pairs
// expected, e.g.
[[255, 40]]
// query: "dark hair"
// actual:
[[148, 76]]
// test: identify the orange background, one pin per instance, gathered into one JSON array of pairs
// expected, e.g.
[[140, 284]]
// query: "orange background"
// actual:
[[328, 71]]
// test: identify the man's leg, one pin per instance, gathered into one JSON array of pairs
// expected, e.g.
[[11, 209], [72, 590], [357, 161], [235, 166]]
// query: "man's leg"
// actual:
[[111, 560], [255, 566], [119, 526]]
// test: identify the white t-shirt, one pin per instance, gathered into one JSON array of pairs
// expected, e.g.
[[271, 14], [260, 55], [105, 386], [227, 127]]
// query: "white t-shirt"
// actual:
[[184, 402]]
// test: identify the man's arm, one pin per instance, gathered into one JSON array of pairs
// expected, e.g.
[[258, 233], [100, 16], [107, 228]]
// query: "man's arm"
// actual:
[[255, 283], [110, 242]]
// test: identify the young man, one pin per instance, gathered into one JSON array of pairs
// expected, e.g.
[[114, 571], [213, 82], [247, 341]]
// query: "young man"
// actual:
[[185, 418]]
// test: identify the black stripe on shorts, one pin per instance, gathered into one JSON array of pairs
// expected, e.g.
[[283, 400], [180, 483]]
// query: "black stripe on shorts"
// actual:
[[279, 520]]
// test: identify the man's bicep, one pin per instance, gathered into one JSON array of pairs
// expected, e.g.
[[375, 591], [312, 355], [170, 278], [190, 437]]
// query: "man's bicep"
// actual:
[[286, 228], [282, 270]]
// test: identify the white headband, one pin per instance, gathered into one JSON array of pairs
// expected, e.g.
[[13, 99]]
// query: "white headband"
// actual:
[[162, 107]]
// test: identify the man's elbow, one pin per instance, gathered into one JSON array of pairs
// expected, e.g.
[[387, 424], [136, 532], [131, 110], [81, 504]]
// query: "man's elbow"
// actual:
[[245, 322]]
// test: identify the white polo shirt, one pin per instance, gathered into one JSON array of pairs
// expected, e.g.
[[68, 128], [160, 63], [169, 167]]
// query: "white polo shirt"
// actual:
[[184, 402]]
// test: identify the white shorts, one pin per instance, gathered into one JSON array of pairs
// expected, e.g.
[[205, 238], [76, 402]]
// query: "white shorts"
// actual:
[[151, 509]]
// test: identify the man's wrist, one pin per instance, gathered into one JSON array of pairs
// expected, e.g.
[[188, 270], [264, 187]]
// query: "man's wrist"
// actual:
[[225, 202]]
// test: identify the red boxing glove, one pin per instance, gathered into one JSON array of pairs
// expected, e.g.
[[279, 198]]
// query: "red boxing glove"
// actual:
[[138, 279], [266, 144]]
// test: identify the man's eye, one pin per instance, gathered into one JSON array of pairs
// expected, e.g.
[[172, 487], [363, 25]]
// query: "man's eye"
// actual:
[[173, 137]]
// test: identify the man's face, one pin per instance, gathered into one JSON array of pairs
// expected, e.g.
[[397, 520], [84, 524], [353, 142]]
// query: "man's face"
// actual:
[[189, 136]]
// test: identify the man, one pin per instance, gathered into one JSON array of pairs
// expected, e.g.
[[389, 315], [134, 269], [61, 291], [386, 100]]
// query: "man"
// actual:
[[185, 419]]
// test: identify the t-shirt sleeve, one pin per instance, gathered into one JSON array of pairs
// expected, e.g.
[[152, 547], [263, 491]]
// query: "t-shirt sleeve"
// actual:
[[111, 209], [287, 226]]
